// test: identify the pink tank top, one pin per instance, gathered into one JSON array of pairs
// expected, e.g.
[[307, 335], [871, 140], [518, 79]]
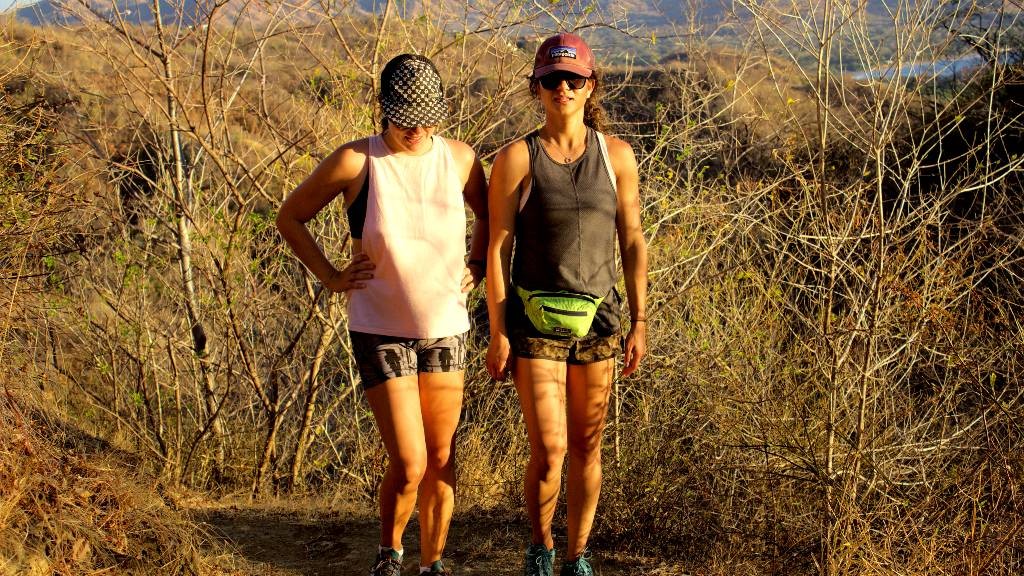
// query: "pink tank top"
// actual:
[[415, 233]]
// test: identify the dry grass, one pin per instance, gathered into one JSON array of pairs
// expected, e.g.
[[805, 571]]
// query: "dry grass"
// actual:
[[835, 310], [70, 504]]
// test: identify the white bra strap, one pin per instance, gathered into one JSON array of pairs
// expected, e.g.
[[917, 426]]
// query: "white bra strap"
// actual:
[[607, 160]]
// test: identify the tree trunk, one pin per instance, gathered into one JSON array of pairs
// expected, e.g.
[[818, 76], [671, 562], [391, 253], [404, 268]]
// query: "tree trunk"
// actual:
[[313, 390], [184, 238]]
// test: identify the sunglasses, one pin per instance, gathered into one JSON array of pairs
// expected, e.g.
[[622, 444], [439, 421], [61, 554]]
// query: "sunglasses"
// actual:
[[553, 81]]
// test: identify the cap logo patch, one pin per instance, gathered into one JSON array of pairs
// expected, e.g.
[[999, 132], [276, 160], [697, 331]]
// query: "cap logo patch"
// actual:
[[562, 52]]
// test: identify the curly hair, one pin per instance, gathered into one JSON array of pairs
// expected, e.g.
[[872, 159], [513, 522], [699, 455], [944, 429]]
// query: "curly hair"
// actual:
[[593, 113]]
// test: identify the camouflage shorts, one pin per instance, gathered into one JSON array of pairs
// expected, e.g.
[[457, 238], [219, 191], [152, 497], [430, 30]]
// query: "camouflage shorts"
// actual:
[[382, 358], [586, 350]]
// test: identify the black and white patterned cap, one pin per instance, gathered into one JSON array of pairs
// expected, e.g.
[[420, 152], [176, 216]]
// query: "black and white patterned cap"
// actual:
[[411, 93]]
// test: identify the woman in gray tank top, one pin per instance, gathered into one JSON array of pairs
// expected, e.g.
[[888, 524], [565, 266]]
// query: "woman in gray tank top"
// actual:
[[562, 196]]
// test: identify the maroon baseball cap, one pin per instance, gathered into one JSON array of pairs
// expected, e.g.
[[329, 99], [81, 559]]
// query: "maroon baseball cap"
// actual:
[[564, 52]]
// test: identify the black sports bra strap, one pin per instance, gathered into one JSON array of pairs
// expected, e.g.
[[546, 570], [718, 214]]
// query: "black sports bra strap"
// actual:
[[356, 211]]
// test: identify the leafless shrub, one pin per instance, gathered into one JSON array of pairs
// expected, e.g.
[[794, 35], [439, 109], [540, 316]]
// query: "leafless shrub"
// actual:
[[835, 354], [833, 360]]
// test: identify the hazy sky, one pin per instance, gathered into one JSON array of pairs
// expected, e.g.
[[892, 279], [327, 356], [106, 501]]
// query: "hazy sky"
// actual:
[[4, 4]]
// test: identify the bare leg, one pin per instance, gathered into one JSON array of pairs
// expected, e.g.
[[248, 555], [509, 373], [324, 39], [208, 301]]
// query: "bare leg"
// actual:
[[588, 389], [396, 407], [441, 403], [541, 388]]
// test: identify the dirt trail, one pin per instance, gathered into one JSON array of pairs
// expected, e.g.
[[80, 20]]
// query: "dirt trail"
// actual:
[[273, 542]]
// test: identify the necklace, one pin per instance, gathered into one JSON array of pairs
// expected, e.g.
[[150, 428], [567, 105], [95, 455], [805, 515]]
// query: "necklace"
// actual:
[[555, 150], [570, 155]]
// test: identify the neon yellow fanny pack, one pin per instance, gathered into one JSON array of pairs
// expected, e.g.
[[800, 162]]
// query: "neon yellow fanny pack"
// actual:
[[559, 313]]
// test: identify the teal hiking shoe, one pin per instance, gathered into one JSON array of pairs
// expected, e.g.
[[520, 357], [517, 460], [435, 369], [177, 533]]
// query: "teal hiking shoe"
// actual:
[[389, 563], [539, 561], [578, 567], [438, 569]]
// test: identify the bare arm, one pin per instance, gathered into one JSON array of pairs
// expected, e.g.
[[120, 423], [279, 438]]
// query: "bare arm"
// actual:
[[511, 168], [633, 248], [339, 173], [475, 193]]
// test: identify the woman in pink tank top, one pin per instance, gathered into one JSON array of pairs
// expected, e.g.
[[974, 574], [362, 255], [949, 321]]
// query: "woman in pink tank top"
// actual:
[[405, 191]]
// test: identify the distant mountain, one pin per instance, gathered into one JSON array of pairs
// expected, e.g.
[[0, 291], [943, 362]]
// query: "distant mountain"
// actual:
[[650, 13], [132, 11], [657, 15]]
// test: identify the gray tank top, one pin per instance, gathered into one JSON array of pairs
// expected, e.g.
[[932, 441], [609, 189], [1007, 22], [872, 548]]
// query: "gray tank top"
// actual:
[[565, 231]]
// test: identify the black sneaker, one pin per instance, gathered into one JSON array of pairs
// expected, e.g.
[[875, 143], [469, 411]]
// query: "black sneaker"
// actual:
[[389, 563], [438, 569], [539, 561]]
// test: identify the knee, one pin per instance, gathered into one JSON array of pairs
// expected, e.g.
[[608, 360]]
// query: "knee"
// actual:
[[409, 471], [440, 458], [585, 448], [549, 457]]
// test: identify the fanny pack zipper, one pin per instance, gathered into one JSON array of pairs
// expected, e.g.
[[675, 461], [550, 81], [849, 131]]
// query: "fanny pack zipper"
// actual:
[[562, 295], [563, 312]]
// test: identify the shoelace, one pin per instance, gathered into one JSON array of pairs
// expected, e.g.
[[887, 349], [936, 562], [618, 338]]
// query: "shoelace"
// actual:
[[386, 566], [543, 562], [581, 566]]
